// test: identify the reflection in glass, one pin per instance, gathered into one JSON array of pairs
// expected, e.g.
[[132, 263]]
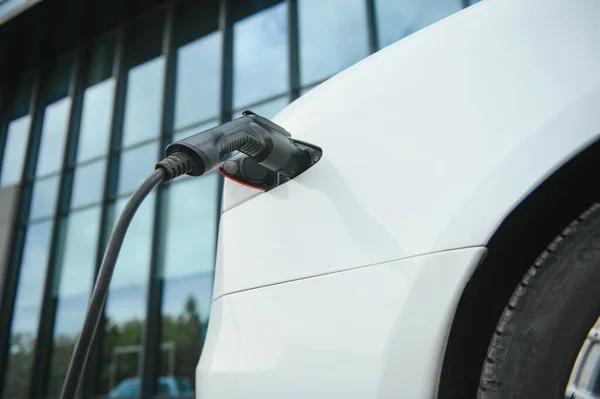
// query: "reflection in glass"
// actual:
[[260, 55], [125, 308], [88, 184], [95, 120], [333, 36], [145, 66], [74, 288], [54, 134], [177, 294], [134, 257], [198, 75], [134, 166], [198, 80], [143, 105], [185, 310], [43, 200], [398, 19], [192, 214], [268, 109], [27, 309], [14, 151]]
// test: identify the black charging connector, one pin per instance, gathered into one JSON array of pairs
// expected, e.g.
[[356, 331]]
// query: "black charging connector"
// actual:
[[266, 143], [271, 157], [243, 170]]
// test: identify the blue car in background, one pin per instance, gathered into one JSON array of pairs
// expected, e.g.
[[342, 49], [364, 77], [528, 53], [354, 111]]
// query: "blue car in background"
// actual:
[[167, 387]]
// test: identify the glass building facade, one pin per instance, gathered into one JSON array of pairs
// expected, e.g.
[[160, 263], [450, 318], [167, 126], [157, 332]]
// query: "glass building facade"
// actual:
[[81, 126]]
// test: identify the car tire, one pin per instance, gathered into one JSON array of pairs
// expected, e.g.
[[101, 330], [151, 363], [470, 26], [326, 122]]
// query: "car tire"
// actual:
[[543, 327]]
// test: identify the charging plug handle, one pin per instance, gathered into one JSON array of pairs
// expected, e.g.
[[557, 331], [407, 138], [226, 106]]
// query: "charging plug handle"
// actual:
[[263, 141]]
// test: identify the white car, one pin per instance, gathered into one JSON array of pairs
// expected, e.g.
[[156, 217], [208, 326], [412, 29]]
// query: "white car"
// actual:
[[447, 244]]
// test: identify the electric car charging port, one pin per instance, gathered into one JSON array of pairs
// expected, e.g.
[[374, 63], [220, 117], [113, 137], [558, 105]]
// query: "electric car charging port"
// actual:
[[245, 171]]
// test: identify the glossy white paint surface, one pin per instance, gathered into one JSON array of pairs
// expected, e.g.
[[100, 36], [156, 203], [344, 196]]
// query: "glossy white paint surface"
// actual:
[[374, 332], [428, 144], [344, 281]]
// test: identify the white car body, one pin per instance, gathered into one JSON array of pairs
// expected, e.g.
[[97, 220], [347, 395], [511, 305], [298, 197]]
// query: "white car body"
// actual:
[[344, 282]]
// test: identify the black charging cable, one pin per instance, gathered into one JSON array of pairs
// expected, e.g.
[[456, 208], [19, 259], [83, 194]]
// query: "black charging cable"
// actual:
[[266, 143], [181, 164], [98, 298]]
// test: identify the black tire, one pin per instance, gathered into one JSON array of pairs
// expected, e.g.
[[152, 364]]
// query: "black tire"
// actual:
[[545, 323]]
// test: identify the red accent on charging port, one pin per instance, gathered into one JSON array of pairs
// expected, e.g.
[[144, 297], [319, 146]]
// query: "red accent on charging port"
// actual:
[[237, 181]]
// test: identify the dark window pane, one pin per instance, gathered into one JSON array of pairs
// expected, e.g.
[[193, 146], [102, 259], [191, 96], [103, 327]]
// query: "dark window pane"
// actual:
[[146, 38], [27, 309], [136, 164], [96, 117], [14, 151], [21, 100], [397, 19], [45, 194], [268, 109], [101, 59], [125, 308], [96, 114], [56, 119], [333, 36], [145, 81], [88, 184], [59, 79], [196, 19], [192, 212], [260, 55], [18, 132], [74, 288], [56, 116], [198, 64]]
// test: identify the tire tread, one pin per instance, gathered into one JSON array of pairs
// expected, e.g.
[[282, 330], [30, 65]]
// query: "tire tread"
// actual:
[[490, 384]]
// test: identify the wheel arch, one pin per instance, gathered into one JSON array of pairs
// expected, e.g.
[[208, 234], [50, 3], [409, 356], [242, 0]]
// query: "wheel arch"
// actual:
[[514, 246]]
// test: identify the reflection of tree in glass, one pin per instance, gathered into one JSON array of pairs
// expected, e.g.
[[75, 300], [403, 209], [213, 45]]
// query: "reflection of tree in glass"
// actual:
[[19, 368], [184, 332], [61, 356], [119, 337]]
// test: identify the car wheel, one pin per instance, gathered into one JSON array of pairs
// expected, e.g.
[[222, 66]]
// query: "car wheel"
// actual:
[[547, 341]]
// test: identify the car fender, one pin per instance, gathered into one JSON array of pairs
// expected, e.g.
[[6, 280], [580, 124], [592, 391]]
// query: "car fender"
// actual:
[[427, 145]]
